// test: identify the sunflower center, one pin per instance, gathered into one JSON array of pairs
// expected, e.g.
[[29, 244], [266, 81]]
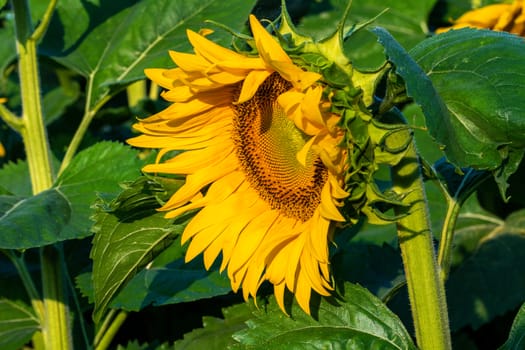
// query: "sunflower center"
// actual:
[[267, 143]]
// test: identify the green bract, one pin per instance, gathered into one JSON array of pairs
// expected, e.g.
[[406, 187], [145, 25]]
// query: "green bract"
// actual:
[[371, 138]]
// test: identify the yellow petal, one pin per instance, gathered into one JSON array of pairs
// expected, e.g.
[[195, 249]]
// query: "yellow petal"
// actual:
[[189, 62], [209, 50], [250, 239], [225, 205], [327, 208], [158, 76], [252, 278], [486, 16], [245, 65], [251, 84], [190, 161], [300, 79], [302, 292], [203, 177], [278, 291], [203, 239], [268, 48]]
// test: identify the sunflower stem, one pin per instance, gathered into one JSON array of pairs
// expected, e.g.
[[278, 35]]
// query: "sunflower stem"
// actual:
[[425, 287], [54, 314]]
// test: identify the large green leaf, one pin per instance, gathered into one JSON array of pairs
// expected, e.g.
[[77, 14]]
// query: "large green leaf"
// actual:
[[35, 221], [17, 324], [95, 171], [517, 332], [128, 235], [478, 74], [467, 82], [111, 42], [489, 282], [361, 321], [63, 212]]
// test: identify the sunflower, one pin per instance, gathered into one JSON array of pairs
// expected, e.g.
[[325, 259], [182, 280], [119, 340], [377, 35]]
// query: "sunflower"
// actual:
[[500, 17], [261, 159]]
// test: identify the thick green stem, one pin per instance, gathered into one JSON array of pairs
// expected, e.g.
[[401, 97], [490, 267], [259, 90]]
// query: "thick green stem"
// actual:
[[56, 330], [425, 288], [33, 131], [55, 327]]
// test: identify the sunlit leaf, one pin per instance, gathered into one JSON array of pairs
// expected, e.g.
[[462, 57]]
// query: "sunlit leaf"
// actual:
[[466, 82], [17, 324], [128, 235], [111, 42], [95, 171], [361, 321]]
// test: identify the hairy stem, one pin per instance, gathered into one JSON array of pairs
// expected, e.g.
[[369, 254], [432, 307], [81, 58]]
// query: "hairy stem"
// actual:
[[56, 331], [53, 318], [425, 288], [32, 131]]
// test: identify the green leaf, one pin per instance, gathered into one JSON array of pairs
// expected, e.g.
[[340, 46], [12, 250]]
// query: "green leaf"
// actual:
[[63, 212], [491, 281], [17, 324], [14, 177], [360, 321], [216, 333], [95, 171], [517, 332], [473, 224], [127, 239], [84, 283], [477, 73], [177, 282], [35, 221], [111, 42], [469, 95]]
